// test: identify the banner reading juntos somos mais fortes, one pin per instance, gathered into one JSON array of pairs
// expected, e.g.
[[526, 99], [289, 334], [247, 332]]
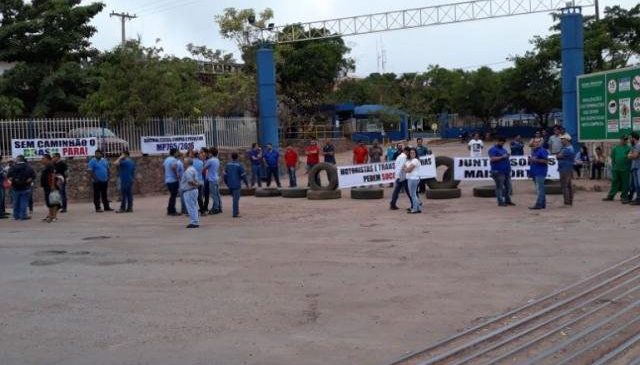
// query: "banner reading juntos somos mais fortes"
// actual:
[[479, 168]]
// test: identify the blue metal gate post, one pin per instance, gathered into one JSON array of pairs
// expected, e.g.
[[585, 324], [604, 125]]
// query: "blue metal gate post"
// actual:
[[572, 42], [267, 100]]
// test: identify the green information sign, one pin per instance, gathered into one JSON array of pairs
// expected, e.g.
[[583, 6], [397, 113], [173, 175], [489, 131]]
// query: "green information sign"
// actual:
[[608, 104]]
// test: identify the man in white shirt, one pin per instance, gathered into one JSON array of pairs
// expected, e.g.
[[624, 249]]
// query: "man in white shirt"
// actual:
[[401, 179], [476, 146]]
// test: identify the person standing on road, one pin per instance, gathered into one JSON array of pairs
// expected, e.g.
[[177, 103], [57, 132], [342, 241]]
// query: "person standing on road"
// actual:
[[566, 160], [391, 152], [203, 200], [329, 152], [234, 175], [539, 162], [127, 176], [413, 179], [272, 159], [189, 184], [21, 176], [198, 164], [255, 155], [597, 166], [517, 147], [620, 169], [99, 169], [401, 180], [475, 146], [555, 141], [61, 169], [291, 160], [213, 180], [172, 180], [375, 152], [501, 172], [313, 155], [360, 154], [422, 151], [634, 156], [48, 183]]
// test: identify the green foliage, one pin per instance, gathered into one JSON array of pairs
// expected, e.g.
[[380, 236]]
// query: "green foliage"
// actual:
[[137, 83], [49, 42]]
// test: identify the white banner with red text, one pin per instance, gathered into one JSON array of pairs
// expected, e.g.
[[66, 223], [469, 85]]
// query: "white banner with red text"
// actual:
[[479, 168], [34, 149], [380, 173]]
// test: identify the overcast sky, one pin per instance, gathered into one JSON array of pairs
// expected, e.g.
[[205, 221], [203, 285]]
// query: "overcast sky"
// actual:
[[468, 45]]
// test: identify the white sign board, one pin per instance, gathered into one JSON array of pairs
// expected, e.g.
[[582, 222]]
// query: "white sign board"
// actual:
[[380, 173], [479, 168], [162, 145], [67, 147]]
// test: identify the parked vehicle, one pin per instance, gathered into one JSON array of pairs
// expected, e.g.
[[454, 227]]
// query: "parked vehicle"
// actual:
[[108, 142]]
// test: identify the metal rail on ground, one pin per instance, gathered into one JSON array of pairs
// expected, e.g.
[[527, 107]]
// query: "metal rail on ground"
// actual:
[[633, 341], [512, 312]]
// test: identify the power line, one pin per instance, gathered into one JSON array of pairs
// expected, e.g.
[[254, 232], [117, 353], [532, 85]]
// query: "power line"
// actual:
[[169, 7], [123, 18]]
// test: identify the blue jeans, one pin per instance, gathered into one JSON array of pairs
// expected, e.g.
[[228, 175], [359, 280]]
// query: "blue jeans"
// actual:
[[214, 190], [173, 194], [126, 191], [273, 172], [416, 204], [235, 193], [293, 182], [503, 186], [190, 201], [541, 201], [635, 183], [400, 185], [256, 175], [20, 203]]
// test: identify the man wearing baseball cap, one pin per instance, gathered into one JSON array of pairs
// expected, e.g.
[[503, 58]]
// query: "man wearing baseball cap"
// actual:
[[566, 157], [620, 169]]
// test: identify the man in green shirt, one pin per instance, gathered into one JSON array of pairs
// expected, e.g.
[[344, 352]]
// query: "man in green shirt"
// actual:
[[620, 170]]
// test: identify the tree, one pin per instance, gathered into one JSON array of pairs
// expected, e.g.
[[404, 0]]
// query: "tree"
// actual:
[[49, 42], [138, 83]]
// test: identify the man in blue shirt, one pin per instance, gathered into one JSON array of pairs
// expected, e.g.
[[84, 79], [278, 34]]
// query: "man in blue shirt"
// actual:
[[271, 159], [127, 175], [501, 172], [255, 155], [99, 169], [539, 164], [566, 159], [172, 180], [212, 166], [517, 147], [234, 175]]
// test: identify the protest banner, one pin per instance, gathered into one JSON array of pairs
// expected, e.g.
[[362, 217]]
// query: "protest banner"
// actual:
[[162, 145], [380, 173], [34, 149], [479, 168]]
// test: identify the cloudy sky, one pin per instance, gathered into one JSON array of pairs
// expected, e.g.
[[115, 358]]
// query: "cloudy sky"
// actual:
[[468, 45]]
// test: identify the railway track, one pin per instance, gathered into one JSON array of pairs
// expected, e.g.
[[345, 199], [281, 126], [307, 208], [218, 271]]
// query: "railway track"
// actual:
[[595, 321]]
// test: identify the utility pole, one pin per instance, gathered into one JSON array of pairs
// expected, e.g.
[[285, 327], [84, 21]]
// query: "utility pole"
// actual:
[[123, 18]]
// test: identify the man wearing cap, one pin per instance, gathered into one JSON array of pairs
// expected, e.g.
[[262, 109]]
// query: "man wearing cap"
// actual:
[[501, 172], [620, 169], [566, 158]]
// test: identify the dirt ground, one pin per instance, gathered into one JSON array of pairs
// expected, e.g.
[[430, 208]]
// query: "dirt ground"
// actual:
[[292, 281]]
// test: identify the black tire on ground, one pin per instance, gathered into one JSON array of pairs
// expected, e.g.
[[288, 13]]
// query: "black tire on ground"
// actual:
[[447, 179], [267, 192], [488, 191], [553, 189], [367, 193], [444, 193], [332, 173], [324, 194], [294, 192], [243, 192]]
